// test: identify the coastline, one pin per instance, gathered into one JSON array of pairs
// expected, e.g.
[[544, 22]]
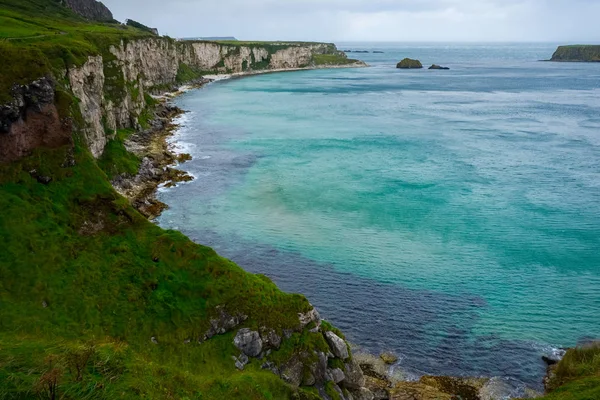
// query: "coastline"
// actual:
[[159, 160], [385, 379]]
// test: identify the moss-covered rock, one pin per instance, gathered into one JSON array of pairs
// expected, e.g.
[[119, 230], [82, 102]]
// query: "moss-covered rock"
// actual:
[[409, 63]]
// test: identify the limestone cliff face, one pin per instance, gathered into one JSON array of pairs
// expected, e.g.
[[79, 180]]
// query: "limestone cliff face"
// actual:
[[112, 89], [142, 65]]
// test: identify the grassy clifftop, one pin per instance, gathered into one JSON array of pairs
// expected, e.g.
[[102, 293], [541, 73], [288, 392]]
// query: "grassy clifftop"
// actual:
[[582, 53]]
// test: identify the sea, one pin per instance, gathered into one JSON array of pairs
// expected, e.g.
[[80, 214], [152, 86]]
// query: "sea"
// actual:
[[449, 216]]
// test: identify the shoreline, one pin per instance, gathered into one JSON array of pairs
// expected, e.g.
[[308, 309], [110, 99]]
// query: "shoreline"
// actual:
[[159, 161], [158, 154]]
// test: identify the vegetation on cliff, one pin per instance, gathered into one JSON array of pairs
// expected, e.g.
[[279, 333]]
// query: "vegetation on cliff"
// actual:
[[97, 302], [581, 53]]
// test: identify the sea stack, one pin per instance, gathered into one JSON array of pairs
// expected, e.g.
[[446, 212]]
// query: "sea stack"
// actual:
[[435, 66], [409, 63]]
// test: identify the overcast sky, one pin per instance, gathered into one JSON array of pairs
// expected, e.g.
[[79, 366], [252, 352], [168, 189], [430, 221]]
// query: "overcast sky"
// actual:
[[370, 20]]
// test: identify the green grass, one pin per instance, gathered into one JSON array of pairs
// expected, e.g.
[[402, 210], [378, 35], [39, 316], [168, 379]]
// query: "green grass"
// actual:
[[112, 280], [332, 59], [116, 160], [577, 376]]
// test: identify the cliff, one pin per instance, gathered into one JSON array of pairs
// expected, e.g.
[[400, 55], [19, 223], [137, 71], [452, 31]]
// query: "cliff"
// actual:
[[112, 88], [577, 53], [97, 302]]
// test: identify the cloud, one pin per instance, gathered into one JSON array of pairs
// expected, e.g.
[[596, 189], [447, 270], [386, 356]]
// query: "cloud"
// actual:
[[370, 20]]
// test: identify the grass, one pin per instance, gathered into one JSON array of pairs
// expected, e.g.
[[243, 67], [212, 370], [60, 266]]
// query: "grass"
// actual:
[[80, 267], [577, 376], [332, 59], [116, 160]]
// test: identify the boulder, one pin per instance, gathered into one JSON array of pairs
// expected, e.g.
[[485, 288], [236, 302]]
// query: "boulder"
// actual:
[[249, 342], [225, 321], [318, 369], [355, 379], [337, 375], [435, 66], [388, 357], [90, 9], [308, 317], [338, 345], [241, 361], [362, 394], [409, 63]]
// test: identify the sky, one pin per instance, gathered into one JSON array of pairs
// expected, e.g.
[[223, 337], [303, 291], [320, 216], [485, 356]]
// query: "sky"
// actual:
[[562, 21]]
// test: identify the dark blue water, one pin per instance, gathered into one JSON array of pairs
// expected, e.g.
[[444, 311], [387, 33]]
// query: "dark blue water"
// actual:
[[450, 216]]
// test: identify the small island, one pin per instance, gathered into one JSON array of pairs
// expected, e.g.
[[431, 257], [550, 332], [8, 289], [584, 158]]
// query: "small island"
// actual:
[[409, 63], [435, 66], [577, 53]]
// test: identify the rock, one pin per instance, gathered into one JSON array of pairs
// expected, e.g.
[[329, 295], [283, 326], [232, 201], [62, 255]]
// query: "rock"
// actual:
[[409, 63], [44, 304], [554, 357], [355, 378], [153, 340], [308, 317], [379, 387], [319, 368], [388, 358], [225, 322], [44, 180], [292, 372], [249, 342], [337, 345], [378, 52], [337, 375], [502, 388], [270, 338], [362, 394], [435, 66], [417, 391], [241, 361], [90, 9]]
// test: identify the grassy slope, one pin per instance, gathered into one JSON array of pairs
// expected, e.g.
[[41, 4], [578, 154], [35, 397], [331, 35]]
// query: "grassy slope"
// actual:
[[577, 376], [86, 282]]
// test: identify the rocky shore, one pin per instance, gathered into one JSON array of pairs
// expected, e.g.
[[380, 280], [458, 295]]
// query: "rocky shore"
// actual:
[[158, 161]]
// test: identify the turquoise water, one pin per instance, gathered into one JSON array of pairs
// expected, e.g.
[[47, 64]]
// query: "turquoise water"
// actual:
[[450, 216]]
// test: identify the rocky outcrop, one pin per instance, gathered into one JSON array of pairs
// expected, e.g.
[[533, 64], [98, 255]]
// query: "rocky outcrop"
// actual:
[[338, 345], [409, 63], [577, 53], [248, 342], [435, 66], [90, 9], [32, 120]]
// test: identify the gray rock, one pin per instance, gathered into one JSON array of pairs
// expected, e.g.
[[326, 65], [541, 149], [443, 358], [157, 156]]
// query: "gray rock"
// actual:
[[337, 375], [270, 338], [241, 361], [337, 344], [153, 340], [319, 368], [292, 372], [225, 322], [249, 342], [355, 379], [308, 317], [362, 394]]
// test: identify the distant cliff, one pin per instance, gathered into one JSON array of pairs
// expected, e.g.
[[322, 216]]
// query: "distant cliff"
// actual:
[[577, 53], [113, 87], [90, 9]]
